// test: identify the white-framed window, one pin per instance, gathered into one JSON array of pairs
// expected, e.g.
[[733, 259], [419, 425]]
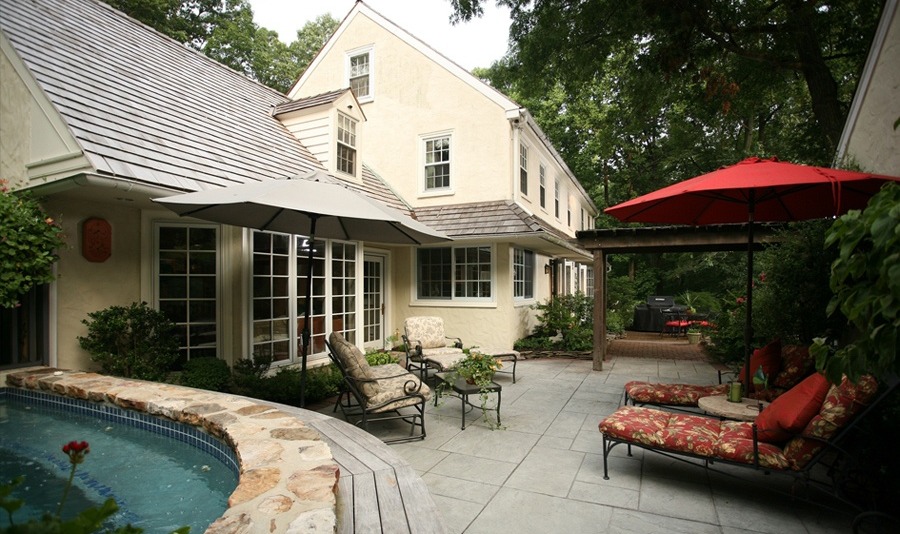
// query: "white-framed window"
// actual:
[[582, 219], [454, 273], [186, 285], [523, 273], [523, 169], [436, 151], [589, 281], [346, 145], [280, 267], [360, 73], [542, 174], [569, 216], [556, 198]]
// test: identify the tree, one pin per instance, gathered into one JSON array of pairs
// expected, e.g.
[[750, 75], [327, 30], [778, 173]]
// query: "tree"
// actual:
[[728, 47]]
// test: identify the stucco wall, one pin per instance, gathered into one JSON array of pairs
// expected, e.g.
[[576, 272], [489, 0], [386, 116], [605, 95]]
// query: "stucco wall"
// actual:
[[874, 142], [82, 286]]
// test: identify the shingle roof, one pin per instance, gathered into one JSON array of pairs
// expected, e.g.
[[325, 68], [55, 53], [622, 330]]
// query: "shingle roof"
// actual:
[[145, 107], [308, 102], [487, 219]]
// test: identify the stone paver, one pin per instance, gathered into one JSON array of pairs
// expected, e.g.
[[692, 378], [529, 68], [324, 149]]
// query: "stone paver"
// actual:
[[544, 471]]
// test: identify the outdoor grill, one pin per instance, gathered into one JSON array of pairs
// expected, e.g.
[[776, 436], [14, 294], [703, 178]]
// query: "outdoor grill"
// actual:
[[648, 317]]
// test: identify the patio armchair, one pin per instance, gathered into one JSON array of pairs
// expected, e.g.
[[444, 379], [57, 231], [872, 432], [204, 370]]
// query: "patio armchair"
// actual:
[[377, 393], [786, 366], [427, 346], [799, 430]]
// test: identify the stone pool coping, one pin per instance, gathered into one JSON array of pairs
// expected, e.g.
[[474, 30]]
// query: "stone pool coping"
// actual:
[[289, 479]]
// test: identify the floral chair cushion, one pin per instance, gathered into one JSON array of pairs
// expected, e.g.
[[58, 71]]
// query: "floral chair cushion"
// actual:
[[354, 361], [393, 383], [789, 414], [842, 403], [425, 330], [670, 394], [706, 437], [796, 364]]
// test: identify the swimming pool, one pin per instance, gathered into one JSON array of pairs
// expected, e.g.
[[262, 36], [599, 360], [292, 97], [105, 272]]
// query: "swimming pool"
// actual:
[[162, 474]]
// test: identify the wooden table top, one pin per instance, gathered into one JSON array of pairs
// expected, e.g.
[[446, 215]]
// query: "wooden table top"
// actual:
[[746, 410]]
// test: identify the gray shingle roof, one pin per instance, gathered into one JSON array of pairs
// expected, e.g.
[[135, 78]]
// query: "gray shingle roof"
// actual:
[[145, 107], [308, 102]]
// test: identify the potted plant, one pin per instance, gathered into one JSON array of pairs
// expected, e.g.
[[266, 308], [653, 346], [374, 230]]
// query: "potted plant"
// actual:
[[693, 335], [477, 369]]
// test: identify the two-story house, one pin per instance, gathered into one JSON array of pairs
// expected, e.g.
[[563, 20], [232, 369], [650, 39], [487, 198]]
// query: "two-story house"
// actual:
[[471, 163], [100, 114]]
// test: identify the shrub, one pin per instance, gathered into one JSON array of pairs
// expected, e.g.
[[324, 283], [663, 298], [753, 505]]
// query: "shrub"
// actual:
[[132, 342], [563, 314], [206, 373], [377, 357], [533, 343], [28, 243]]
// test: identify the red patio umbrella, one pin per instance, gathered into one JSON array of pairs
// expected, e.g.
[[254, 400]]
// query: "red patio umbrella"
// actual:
[[754, 190]]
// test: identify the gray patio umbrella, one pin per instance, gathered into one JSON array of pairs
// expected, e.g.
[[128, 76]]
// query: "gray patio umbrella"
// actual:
[[313, 205]]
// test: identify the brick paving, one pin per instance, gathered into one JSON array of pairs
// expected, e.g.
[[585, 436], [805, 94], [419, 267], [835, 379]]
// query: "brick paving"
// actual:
[[653, 345]]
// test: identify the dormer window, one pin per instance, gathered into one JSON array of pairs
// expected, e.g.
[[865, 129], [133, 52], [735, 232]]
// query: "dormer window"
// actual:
[[360, 70], [346, 145]]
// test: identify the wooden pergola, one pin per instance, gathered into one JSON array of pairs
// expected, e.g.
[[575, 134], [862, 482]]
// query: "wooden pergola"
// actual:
[[649, 239]]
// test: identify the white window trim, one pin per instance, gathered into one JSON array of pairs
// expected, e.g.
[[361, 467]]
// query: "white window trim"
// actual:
[[424, 138], [478, 302], [355, 147], [523, 147], [370, 50], [542, 185], [512, 261]]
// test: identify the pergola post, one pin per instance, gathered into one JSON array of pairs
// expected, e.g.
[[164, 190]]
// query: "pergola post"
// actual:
[[599, 353]]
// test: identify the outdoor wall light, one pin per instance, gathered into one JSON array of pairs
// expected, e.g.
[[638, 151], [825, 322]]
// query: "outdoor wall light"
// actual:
[[546, 268]]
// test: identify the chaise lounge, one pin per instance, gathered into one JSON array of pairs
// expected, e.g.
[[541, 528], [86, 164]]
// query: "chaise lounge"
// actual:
[[428, 347], [377, 393], [788, 365], [790, 436]]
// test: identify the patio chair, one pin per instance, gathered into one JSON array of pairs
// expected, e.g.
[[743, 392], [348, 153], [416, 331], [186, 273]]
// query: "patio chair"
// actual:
[[377, 393], [798, 431], [788, 365], [427, 346]]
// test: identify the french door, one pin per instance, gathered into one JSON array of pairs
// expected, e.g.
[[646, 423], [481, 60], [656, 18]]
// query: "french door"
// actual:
[[373, 301]]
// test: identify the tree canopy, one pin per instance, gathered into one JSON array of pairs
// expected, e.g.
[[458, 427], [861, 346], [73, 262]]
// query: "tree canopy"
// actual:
[[636, 95], [224, 31]]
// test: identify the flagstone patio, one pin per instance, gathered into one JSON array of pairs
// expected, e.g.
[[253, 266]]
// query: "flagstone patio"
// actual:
[[543, 471]]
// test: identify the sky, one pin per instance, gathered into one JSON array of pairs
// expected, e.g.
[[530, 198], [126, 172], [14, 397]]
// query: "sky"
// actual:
[[477, 43]]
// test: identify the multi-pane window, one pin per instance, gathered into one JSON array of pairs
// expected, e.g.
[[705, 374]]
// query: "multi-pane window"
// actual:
[[437, 163], [454, 273], [187, 287], [523, 169], [589, 281], [343, 290], [523, 273], [281, 270], [582, 219], [360, 75], [346, 145], [556, 197], [271, 296], [569, 216], [543, 189]]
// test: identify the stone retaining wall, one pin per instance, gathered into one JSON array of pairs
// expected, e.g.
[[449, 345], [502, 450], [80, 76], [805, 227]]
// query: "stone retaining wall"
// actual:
[[288, 480]]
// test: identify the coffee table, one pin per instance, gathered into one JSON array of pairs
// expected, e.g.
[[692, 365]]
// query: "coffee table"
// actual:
[[746, 410], [462, 390]]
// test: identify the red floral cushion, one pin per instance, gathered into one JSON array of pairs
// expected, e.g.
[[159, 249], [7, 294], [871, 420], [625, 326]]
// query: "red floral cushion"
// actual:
[[796, 364], [841, 404], [702, 436], [769, 357], [789, 414], [670, 394]]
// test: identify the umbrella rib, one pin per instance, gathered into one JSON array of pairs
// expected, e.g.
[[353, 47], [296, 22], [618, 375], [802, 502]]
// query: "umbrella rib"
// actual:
[[277, 214]]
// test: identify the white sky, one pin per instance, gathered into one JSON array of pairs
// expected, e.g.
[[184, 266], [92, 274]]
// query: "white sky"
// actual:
[[470, 44]]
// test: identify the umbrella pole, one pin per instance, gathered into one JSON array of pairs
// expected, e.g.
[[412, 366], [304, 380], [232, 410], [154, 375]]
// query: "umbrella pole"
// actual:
[[748, 326], [308, 311]]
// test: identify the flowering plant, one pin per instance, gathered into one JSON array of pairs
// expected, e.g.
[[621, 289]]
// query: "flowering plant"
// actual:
[[477, 368]]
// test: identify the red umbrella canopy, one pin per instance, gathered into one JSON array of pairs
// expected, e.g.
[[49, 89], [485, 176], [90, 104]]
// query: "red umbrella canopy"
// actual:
[[780, 191]]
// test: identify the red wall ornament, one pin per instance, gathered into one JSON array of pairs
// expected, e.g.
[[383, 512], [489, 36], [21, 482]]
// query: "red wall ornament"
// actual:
[[96, 240]]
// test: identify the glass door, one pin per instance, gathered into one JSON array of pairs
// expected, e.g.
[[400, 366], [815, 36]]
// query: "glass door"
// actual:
[[373, 301]]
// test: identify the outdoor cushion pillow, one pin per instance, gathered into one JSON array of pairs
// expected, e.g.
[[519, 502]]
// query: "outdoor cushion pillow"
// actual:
[[789, 414], [769, 357], [796, 364], [354, 362]]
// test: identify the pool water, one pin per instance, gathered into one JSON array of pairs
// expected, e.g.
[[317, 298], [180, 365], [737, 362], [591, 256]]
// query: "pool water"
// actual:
[[159, 483]]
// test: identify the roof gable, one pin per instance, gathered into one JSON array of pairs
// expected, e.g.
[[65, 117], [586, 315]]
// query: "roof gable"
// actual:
[[360, 8], [142, 106]]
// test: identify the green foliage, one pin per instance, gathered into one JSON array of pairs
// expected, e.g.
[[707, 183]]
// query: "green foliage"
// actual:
[[865, 279], [205, 373], [533, 343], [248, 376], [251, 378], [377, 357], [133, 342], [29, 239]]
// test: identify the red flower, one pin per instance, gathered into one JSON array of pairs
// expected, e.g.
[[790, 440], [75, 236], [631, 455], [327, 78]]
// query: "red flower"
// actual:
[[741, 300], [76, 450]]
